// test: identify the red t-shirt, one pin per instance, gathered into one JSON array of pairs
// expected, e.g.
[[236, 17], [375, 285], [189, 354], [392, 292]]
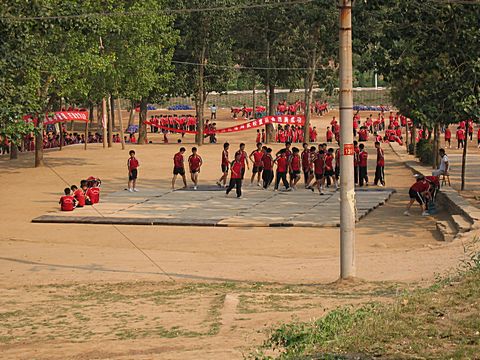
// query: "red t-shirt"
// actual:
[[380, 157], [329, 135], [295, 163], [178, 160], [94, 194], [67, 203], [461, 134], [355, 155], [243, 156], [267, 162], [236, 169], [306, 159], [319, 163], [362, 158], [448, 134], [257, 157], [194, 162], [80, 197], [420, 186], [282, 164], [328, 162], [225, 158], [132, 163]]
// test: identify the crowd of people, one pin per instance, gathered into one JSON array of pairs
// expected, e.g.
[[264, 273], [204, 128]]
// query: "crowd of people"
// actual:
[[77, 197], [320, 166]]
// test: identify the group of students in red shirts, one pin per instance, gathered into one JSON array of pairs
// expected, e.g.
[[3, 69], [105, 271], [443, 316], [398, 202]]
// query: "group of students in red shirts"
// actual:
[[423, 191], [87, 194], [181, 122], [465, 129]]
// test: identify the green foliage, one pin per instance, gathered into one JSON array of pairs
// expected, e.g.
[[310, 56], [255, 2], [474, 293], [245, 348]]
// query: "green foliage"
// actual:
[[425, 151], [14, 129], [294, 339]]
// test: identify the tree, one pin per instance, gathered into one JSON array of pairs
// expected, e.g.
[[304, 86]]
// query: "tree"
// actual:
[[204, 54]]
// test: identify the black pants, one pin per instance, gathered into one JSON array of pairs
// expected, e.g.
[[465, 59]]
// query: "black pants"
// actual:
[[235, 183], [460, 144], [355, 174], [267, 176], [283, 177], [379, 175], [362, 175]]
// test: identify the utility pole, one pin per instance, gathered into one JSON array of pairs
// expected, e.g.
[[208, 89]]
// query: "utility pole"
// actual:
[[347, 186], [104, 104]]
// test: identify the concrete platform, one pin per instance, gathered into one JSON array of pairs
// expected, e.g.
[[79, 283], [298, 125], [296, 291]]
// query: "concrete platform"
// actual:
[[208, 206]]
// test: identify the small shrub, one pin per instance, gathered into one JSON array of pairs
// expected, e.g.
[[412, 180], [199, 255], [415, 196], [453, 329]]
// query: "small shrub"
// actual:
[[425, 151]]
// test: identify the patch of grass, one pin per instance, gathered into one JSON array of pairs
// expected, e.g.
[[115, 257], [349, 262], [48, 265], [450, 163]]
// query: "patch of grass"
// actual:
[[441, 322]]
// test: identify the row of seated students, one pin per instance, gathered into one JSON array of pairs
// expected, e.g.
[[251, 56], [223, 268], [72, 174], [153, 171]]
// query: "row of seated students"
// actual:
[[87, 194]]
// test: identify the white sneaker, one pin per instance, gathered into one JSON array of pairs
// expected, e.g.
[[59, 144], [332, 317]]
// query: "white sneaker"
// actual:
[[130, 190], [321, 192], [258, 184], [381, 185], [425, 213], [194, 188], [289, 189], [135, 189], [406, 213]]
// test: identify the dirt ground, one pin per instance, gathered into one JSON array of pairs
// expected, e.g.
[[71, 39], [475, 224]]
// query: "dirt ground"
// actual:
[[85, 292]]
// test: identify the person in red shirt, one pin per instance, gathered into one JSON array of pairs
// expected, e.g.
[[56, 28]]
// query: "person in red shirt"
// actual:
[[307, 165], [478, 138], [267, 175], [460, 138], [448, 137], [243, 158], [313, 135], [256, 159], [362, 166], [356, 151], [380, 168], [470, 129], [329, 135], [236, 176], [264, 136], [179, 168], [337, 165], [259, 136], [225, 163], [282, 167], [132, 166], [294, 164], [420, 191], [78, 195], [67, 201], [319, 165], [329, 172], [194, 163], [93, 193]]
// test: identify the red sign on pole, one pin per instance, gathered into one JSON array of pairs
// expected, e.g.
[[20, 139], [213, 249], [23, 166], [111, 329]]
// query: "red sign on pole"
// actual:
[[348, 149]]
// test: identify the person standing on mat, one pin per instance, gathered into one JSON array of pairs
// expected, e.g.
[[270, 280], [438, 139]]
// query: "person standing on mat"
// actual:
[[236, 176]]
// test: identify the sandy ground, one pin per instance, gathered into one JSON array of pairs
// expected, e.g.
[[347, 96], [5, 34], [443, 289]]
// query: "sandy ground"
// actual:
[[85, 292]]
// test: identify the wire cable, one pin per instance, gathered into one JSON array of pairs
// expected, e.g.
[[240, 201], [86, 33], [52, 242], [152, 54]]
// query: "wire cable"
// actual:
[[160, 12], [116, 228]]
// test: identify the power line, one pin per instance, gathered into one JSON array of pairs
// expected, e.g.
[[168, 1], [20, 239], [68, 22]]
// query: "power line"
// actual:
[[240, 67], [120, 231], [160, 12]]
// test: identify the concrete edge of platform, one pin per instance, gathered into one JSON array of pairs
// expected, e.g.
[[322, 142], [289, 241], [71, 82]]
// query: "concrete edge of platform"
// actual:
[[455, 203]]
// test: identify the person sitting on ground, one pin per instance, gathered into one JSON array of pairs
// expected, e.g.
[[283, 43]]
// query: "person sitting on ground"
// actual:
[[444, 165], [67, 201], [78, 195], [420, 191], [93, 192]]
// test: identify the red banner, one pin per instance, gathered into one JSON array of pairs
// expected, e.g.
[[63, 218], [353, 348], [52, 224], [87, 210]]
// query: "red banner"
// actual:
[[60, 117], [298, 120]]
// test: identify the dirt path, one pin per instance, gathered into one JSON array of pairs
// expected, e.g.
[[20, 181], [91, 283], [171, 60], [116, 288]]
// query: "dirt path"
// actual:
[[84, 292]]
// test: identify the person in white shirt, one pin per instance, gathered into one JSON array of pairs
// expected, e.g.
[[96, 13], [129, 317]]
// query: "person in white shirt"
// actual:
[[444, 165], [213, 112]]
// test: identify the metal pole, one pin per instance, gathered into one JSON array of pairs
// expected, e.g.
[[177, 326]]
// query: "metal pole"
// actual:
[[347, 186]]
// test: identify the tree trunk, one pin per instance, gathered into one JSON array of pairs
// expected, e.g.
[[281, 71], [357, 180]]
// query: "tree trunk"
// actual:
[[110, 122], [39, 143], [142, 128], [112, 110], [464, 164], [436, 146], [407, 138], [414, 139], [13, 151], [120, 122], [131, 116], [309, 79], [254, 99], [270, 130], [104, 122], [90, 113], [201, 97]]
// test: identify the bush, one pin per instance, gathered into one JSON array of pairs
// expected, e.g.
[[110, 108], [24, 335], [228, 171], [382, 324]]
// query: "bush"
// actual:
[[425, 151]]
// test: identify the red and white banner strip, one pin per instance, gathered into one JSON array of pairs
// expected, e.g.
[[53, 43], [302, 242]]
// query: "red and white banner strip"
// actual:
[[60, 116]]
